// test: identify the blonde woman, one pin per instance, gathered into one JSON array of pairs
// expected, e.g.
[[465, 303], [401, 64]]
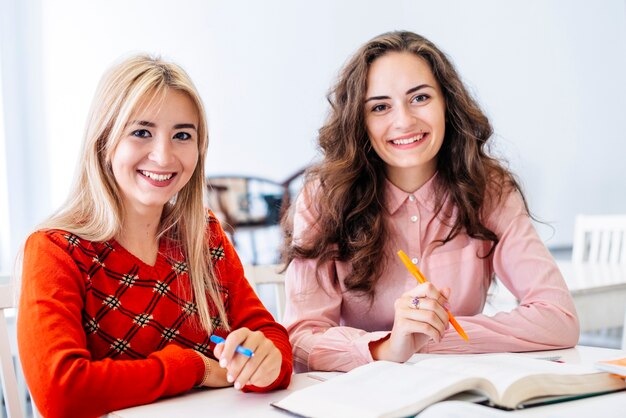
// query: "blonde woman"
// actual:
[[123, 286]]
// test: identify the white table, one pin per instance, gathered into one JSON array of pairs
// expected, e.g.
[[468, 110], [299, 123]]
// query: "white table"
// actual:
[[227, 402], [232, 403]]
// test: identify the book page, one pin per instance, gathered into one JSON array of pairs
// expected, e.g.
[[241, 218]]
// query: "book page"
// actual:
[[378, 389], [518, 378], [503, 369]]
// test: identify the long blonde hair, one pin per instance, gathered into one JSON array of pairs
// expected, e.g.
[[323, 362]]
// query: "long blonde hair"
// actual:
[[94, 210]]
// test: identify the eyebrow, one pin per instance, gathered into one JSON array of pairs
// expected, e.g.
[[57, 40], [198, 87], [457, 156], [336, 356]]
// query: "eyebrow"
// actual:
[[409, 91], [185, 126], [152, 124]]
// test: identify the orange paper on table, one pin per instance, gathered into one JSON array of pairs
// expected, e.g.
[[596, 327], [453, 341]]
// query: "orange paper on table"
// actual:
[[615, 366], [420, 278]]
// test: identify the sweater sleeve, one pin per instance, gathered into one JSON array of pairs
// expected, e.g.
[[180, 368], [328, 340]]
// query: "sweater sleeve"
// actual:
[[313, 318], [246, 310], [63, 378], [313, 311], [545, 318]]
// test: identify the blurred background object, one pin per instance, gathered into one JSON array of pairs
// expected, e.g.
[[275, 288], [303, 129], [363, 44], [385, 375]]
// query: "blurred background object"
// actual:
[[250, 209]]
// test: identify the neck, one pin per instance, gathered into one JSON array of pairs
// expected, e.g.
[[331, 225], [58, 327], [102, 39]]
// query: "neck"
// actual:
[[410, 179], [138, 235]]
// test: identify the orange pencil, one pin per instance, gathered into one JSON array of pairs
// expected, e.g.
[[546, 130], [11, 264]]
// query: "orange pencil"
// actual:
[[420, 278]]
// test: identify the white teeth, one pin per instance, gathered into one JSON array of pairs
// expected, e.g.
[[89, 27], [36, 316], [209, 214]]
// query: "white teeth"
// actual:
[[157, 177], [408, 140]]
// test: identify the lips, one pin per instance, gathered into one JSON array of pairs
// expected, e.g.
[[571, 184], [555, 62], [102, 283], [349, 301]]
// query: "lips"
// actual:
[[406, 140], [160, 177]]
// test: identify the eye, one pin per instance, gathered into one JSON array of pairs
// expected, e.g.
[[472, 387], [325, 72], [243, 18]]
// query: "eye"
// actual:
[[420, 98], [183, 136], [141, 133], [379, 108]]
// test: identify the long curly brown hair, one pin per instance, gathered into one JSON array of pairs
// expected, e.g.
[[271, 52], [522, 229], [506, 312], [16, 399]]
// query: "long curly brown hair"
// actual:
[[349, 200]]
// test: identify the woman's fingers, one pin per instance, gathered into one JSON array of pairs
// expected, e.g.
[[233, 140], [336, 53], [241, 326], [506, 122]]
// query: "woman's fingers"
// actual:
[[261, 369], [428, 290], [420, 316], [269, 369], [242, 366], [428, 317], [229, 347], [423, 310]]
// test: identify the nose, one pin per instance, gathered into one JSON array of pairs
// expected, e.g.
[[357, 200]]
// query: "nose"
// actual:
[[161, 152], [405, 119]]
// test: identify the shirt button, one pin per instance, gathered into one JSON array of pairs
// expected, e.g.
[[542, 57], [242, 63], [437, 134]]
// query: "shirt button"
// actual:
[[414, 260], [411, 198], [413, 218]]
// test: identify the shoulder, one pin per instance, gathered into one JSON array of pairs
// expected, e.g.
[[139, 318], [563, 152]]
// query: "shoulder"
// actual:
[[306, 213], [309, 193], [52, 238], [55, 252], [56, 242], [220, 248], [213, 227], [309, 199], [222, 253], [503, 208]]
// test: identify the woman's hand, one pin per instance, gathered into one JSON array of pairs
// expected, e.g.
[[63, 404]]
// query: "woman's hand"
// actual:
[[414, 325], [261, 370]]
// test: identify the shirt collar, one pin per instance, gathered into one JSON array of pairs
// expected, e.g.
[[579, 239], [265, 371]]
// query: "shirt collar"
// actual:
[[395, 197]]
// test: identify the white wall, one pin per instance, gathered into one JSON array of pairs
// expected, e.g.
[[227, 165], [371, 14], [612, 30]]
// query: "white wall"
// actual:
[[549, 73], [23, 141], [4, 195]]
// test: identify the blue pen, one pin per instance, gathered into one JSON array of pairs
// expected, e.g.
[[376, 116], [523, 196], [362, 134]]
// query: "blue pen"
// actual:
[[240, 349]]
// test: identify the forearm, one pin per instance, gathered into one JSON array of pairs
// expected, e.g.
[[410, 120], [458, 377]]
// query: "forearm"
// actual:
[[334, 349], [546, 316], [64, 385], [526, 328]]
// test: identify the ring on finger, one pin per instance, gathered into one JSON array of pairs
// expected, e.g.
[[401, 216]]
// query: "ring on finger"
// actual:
[[415, 303]]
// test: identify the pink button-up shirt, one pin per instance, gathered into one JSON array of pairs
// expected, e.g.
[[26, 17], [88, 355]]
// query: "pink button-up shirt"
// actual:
[[330, 328]]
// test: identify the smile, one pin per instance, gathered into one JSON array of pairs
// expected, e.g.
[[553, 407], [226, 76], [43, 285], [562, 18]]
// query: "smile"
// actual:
[[410, 140], [157, 177]]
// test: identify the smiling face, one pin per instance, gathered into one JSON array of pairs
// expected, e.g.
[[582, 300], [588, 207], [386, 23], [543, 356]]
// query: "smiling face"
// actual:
[[405, 117], [157, 153]]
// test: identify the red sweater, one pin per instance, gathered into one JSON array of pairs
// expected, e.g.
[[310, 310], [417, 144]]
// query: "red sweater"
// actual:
[[100, 330]]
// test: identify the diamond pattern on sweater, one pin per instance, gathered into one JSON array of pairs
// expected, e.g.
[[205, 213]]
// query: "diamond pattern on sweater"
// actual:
[[132, 309], [120, 345], [217, 253], [179, 267]]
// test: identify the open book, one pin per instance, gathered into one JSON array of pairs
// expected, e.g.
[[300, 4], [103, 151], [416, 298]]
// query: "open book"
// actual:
[[386, 389]]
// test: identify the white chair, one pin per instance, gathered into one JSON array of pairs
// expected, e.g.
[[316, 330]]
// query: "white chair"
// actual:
[[601, 240], [263, 276], [7, 370]]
